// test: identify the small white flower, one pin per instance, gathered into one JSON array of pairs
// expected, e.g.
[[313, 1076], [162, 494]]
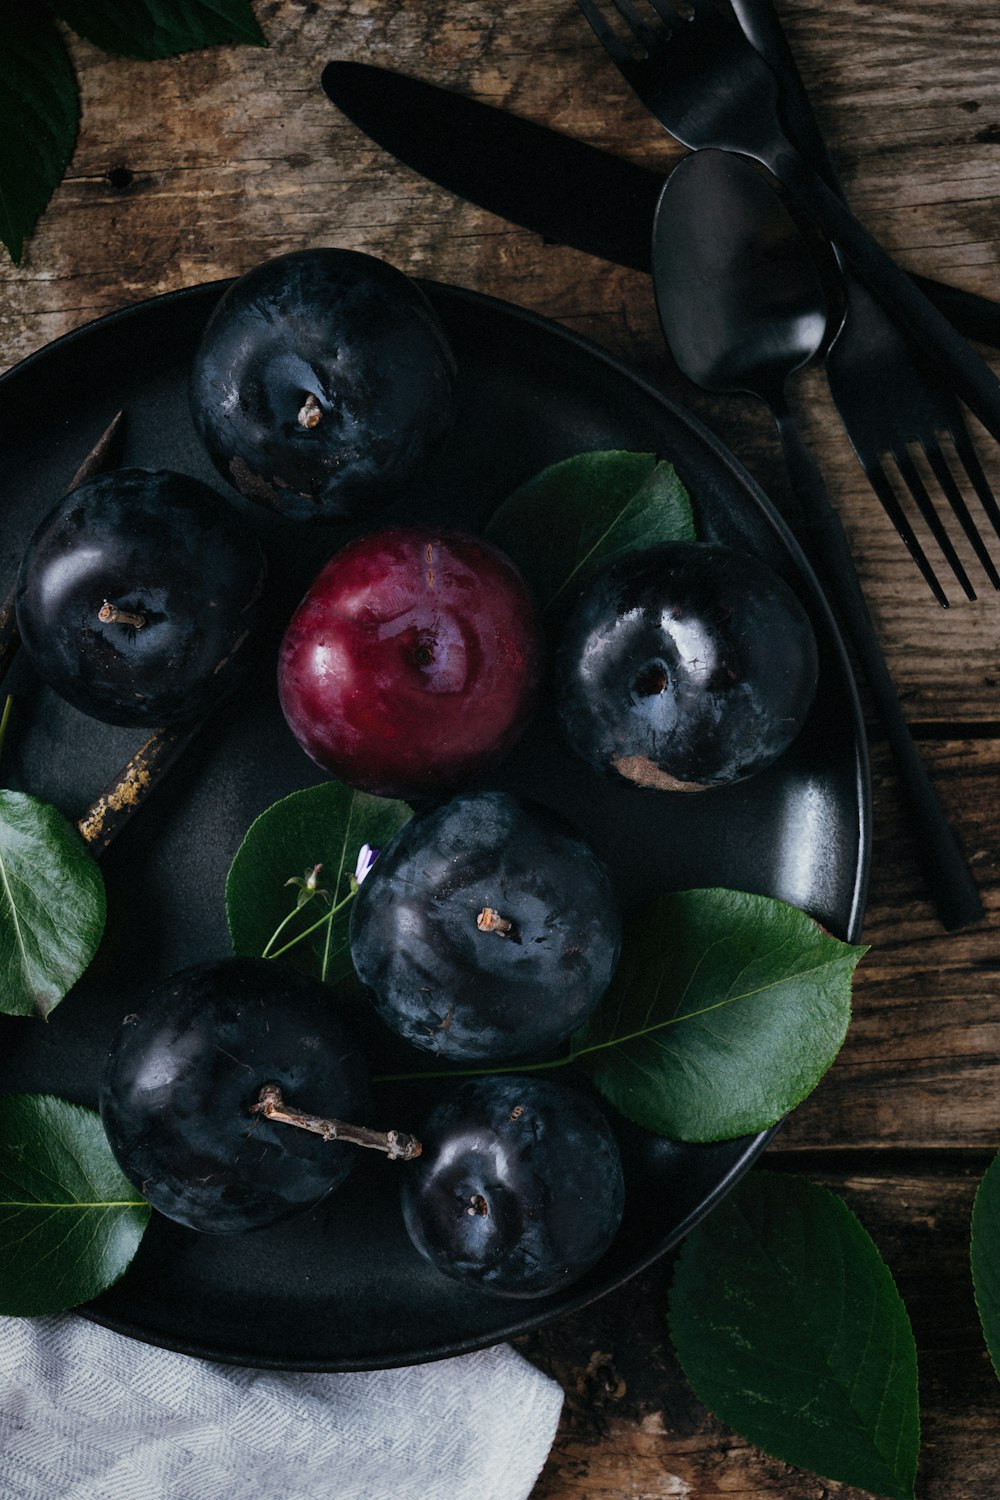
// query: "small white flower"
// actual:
[[366, 858]]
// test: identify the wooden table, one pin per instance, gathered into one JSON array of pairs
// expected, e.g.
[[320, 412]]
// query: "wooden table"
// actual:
[[200, 167]]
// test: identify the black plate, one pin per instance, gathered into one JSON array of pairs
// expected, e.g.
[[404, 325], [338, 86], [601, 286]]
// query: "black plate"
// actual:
[[341, 1288]]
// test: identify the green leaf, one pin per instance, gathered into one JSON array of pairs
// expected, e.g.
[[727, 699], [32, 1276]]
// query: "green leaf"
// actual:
[[52, 905], [70, 1223], [39, 116], [579, 514], [160, 28], [323, 825], [789, 1327], [985, 1256], [725, 1011]]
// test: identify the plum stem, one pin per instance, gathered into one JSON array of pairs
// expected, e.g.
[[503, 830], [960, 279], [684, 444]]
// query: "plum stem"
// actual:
[[393, 1143], [110, 614], [310, 412], [490, 920]]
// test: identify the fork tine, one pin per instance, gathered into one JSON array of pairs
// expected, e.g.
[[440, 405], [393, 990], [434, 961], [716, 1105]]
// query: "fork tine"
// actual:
[[879, 481], [925, 504], [668, 13], [946, 480], [969, 459], [606, 34], [637, 23]]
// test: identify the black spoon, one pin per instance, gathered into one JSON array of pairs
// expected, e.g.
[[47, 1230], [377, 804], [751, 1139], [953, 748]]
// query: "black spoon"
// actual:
[[744, 306]]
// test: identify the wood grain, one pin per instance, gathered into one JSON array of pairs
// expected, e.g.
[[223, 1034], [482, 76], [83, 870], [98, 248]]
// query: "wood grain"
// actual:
[[198, 168]]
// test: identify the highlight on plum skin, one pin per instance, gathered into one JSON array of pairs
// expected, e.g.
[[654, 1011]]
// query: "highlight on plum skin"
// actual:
[[519, 1188], [685, 666], [413, 663]]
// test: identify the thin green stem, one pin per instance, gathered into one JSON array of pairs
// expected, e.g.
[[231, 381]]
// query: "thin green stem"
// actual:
[[5, 719], [324, 966], [308, 931], [433, 1074], [266, 953]]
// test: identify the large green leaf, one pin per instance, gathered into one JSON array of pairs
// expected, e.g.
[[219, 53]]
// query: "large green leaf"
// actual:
[[585, 511], [70, 1223], [324, 825], [39, 116], [160, 28], [985, 1256], [52, 905], [789, 1327], [725, 1011]]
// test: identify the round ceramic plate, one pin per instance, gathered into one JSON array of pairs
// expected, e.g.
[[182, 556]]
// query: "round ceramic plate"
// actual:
[[341, 1287]]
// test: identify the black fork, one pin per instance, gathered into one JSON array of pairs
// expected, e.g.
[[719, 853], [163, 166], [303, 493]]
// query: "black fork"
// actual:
[[890, 403]]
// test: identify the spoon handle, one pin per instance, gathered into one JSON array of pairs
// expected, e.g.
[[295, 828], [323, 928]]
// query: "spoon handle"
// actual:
[[945, 869]]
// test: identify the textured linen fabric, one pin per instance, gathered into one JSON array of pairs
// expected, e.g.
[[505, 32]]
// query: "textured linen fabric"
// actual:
[[86, 1414]]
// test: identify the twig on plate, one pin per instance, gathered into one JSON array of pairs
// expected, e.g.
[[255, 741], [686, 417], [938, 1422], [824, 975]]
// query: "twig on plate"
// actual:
[[103, 455], [122, 798]]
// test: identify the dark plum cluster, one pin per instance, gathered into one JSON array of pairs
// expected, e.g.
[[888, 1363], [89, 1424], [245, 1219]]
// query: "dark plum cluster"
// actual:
[[685, 666], [488, 930]]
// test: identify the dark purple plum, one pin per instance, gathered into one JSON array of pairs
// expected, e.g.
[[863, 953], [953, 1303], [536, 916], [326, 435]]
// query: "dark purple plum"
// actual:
[[519, 1189], [138, 597], [322, 382], [187, 1066], [685, 666], [487, 931]]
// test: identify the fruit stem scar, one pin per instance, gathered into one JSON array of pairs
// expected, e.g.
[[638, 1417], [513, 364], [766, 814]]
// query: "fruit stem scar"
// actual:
[[490, 920], [310, 412], [478, 1206], [393, 1143], [110, 614]]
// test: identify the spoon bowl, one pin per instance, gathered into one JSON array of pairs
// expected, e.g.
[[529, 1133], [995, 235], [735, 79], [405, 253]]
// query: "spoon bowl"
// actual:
[[744, 297]]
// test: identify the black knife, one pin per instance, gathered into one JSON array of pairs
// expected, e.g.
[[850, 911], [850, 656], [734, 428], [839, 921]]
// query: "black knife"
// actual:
[[566, 191]]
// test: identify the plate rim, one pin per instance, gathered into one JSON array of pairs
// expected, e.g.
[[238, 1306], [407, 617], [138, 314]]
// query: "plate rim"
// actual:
[[524, 1321]]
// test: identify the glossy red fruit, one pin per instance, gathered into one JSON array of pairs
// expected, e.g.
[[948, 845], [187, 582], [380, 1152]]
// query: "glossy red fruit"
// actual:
[[413, 662]]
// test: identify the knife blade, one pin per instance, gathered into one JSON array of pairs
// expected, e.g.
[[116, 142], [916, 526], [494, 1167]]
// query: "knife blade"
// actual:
[[543, 180], [560, 188]]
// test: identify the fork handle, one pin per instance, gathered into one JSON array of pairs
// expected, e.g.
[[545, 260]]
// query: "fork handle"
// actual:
[[969, 374], [948, 876]]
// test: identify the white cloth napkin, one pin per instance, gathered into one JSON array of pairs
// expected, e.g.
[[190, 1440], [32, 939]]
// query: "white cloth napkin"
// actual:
[[86, 1414]]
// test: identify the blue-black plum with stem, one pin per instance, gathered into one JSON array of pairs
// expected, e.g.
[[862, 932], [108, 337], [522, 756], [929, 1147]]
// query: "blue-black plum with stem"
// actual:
[[685, 666], [201, 1080], [323, 381], [139, 597], [487, 931], [519, 1188]]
